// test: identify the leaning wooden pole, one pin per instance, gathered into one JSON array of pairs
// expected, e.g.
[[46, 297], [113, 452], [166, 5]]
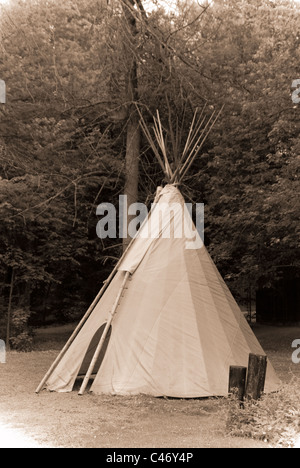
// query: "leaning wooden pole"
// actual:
[[77, 330], [81, 323], [103, 337], [89, 311], [199, 144]]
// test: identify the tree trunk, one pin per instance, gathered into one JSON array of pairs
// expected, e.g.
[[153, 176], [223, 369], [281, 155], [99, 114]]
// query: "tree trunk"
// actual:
[[132, 168], [12, 282], [133, 127]]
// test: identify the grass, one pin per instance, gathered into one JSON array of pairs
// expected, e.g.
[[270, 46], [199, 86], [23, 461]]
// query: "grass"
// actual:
[[274, 418], [67, 420]]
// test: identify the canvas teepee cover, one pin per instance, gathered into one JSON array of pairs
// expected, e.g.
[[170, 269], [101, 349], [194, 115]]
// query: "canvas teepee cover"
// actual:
[[176, 329]]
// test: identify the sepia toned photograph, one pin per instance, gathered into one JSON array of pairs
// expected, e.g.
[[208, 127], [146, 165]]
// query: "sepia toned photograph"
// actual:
[[150, 226]]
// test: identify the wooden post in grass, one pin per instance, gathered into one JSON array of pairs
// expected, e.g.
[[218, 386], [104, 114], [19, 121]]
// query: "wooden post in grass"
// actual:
[[237, 381], [257, 368]]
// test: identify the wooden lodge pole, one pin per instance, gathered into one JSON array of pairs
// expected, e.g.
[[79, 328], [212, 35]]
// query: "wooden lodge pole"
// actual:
[[91, 308], [103, 337], [78, 328]]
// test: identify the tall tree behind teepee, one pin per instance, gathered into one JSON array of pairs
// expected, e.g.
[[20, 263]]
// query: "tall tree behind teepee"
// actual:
[[133, 135]]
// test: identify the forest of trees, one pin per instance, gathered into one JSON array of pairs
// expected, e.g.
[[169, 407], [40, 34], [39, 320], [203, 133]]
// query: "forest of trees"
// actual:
[[70, 139]]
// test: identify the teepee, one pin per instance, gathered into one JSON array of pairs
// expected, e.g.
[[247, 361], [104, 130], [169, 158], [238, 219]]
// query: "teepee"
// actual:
[[164, 323]]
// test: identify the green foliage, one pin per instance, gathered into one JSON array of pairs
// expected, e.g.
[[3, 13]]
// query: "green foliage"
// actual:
[[63, 136], [23, 342], [58, 158], [252, 214], [22, 337], [274, 418]]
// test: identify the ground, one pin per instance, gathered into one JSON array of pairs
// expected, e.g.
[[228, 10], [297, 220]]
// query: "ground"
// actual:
[[67, 420]]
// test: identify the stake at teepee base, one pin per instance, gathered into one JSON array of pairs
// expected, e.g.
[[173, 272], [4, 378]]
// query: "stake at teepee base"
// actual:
[[237, 381], [257, 369], [103, 337], [248, 383]]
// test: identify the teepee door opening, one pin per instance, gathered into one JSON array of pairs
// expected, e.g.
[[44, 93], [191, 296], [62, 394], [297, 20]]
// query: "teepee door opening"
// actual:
[[91, 351]]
